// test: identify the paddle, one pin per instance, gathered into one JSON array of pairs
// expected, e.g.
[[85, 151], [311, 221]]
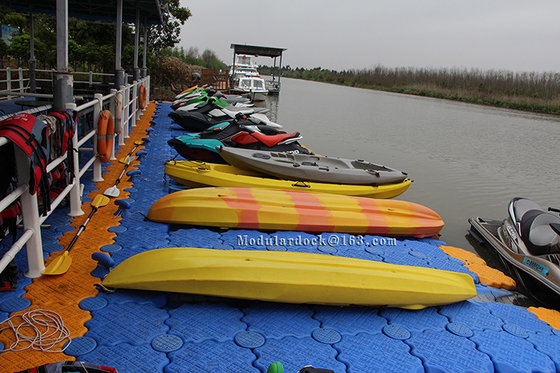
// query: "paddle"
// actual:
[[114, 191], [61, 264], [137, 143]]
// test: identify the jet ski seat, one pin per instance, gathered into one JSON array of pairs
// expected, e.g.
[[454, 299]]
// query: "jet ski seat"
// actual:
[[244, 138], [540, 230]]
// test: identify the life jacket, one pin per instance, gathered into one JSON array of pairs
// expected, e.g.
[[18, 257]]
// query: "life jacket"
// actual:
[[31, 135], [66, 130]]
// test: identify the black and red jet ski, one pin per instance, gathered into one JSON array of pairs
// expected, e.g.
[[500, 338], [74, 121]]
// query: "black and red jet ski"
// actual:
[[528, 244], [202, 146]]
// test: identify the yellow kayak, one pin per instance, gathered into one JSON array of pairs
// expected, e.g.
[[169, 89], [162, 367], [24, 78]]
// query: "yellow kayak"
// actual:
[[290, 277], [270, 209], [198, 174]]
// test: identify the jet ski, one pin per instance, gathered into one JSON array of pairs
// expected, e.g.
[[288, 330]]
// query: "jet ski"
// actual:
[[210, 91], [196, 100], [204, 96], [209, 114], [528, 244], [202, 146]]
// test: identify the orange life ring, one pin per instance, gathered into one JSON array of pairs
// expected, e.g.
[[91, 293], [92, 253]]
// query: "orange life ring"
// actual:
[[142, 97], [105, 136]]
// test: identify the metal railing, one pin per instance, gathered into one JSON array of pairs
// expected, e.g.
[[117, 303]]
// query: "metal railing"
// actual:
[[16, 82], [124, 107]]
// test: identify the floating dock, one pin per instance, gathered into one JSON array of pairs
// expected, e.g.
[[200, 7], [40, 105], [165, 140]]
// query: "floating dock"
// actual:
[[143, 331]]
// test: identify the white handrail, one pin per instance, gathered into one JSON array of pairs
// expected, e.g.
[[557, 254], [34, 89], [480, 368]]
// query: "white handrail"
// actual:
[[32, 221]]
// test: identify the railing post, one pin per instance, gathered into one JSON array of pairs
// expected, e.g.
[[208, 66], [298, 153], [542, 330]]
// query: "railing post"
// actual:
[[121, 109], [34, 246], [76, 191], [114, 111], [91, 78], [8, 81], [135, 107], [116, 107], [31, 221], [20, 78], [126, 106], [147, 85], [97, 167]]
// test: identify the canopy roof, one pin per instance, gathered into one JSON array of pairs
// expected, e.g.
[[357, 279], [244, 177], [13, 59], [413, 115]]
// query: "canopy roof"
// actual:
[[103, 10], [254, 50]]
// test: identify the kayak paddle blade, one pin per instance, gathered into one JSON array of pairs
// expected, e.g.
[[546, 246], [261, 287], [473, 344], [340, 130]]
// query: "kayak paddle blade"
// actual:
[[59, 265], [62, 262], [112, 192], [100, 201], [126, 160]]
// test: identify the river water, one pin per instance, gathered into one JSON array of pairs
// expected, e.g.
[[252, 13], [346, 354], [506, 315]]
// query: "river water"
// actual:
[[466, 160]]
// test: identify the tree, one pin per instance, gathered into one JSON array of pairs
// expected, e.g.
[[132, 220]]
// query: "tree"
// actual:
[[211, 61], [166, 35]]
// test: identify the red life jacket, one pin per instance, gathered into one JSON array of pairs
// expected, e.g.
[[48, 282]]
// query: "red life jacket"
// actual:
[[31, 135]]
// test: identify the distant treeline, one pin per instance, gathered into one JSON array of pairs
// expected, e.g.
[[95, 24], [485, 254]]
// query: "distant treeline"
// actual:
[[536, 92]]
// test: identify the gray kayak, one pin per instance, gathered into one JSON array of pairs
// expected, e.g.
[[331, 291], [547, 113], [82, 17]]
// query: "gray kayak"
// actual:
[[310, 167]]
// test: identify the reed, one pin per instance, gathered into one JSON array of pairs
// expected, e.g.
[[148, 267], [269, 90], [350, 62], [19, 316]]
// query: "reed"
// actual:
[[527, 91]]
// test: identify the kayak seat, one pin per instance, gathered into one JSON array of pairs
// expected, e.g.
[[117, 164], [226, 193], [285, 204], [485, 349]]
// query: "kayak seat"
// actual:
[[539, 231], [271, 140]]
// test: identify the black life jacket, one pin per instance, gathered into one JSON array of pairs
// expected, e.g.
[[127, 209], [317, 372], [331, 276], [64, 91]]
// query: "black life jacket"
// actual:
[[31, 135]]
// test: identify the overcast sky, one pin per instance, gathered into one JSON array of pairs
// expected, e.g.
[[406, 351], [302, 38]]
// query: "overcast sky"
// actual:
[[487, 34]]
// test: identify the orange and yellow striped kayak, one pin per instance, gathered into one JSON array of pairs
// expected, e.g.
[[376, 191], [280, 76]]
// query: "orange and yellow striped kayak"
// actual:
[[269, 209]]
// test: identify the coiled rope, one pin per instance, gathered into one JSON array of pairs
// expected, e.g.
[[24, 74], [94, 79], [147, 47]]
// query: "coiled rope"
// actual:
[[40, 329]]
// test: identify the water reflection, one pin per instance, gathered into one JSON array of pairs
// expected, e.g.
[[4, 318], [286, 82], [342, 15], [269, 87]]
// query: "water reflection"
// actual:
[[271, 103]]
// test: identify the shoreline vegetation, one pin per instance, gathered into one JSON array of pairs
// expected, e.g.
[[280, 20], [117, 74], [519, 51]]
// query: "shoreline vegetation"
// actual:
[[525, 91]]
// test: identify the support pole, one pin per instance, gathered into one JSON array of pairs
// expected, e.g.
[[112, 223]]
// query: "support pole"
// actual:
[[136, 76], [232, 70], [63, 85], [119, 72], [280, 70], [32, 81]]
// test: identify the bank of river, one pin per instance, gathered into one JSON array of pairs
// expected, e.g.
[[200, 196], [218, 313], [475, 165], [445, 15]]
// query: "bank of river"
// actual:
[[466, 160]]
